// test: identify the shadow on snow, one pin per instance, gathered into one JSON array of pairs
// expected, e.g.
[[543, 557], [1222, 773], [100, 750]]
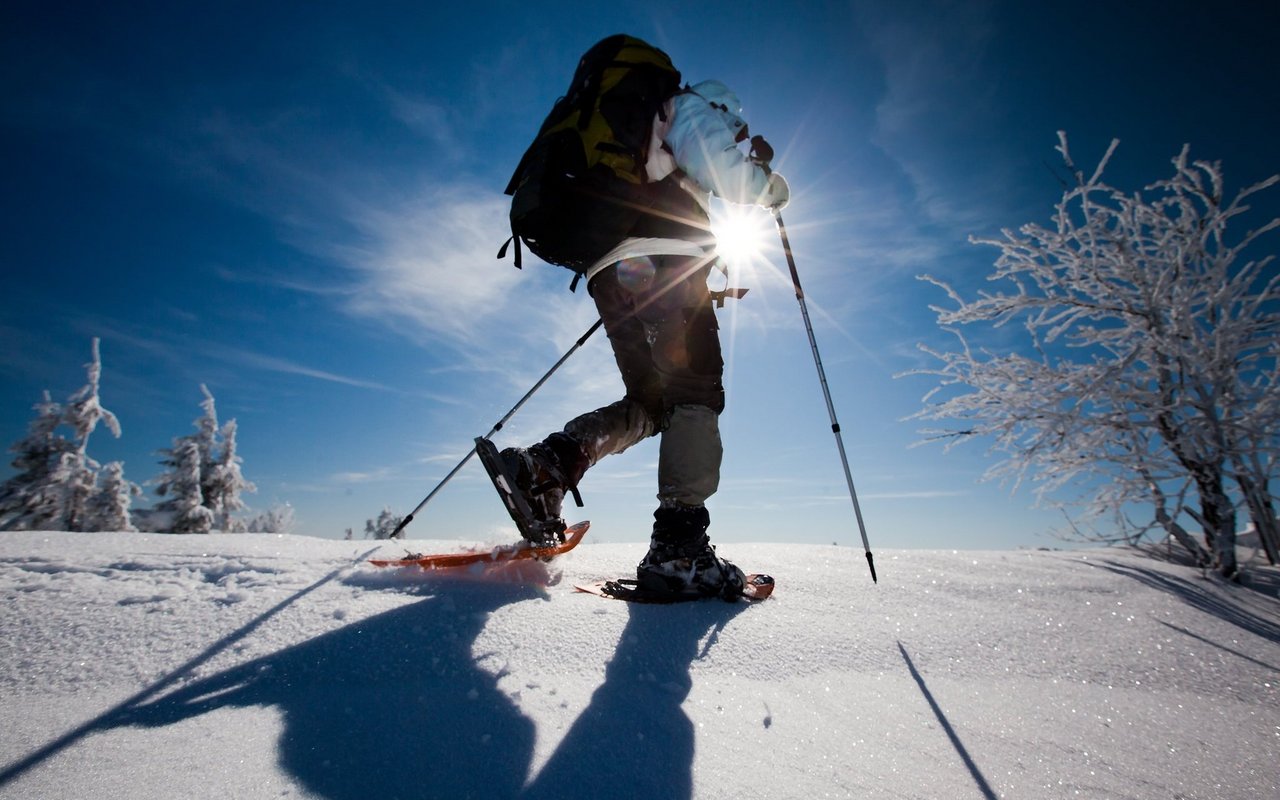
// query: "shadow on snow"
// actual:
[[396, 706], [979, 779], [1250, 609]]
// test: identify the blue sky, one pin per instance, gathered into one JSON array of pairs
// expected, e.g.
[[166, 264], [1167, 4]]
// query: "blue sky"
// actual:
[[299, 206]]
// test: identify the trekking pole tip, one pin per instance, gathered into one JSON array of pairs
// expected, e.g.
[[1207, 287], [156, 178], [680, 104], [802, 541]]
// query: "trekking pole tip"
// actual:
[[872, 564], [404, 523]]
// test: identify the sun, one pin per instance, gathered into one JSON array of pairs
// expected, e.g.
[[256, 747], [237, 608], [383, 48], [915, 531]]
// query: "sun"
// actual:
[[740, 234]]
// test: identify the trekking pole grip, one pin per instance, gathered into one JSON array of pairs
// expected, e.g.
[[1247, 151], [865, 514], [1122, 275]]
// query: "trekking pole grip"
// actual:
[[762, 153]]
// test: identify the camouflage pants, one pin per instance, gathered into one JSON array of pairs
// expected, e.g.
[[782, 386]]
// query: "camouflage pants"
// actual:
[[662, 326]]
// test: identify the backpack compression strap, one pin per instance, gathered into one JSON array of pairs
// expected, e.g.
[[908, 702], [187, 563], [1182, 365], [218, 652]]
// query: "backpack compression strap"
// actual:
[[515, 239], [502, 251]]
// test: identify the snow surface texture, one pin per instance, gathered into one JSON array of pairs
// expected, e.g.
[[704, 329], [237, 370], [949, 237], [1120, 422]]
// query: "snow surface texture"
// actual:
[[259, 666]]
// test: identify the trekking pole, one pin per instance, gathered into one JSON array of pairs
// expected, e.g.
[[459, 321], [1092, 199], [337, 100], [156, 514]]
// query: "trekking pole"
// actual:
[[497, 427], [762, 154]]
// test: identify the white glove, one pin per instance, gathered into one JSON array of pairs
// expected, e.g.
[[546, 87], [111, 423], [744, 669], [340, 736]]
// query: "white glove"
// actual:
[[776, 193]]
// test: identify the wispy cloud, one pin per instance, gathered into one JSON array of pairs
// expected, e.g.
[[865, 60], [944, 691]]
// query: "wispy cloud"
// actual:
[[939, 108], [428, 261], [431, 120], [160, 347], [917, 495], [269, 363], [320, 286], [368, 476]]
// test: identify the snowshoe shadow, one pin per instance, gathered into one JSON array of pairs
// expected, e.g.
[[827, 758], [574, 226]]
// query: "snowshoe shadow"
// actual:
[[391, 706], [634, 737]]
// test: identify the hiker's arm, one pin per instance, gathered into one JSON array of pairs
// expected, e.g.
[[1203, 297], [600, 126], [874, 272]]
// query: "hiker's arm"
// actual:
[[704, 147]]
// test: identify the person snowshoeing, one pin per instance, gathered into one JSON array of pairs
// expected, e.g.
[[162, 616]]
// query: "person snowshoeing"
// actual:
[[652, 295]]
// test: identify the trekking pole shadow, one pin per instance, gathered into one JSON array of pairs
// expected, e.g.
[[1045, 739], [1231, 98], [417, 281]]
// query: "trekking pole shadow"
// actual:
[[634, 736], [969, 763], [110, 718]]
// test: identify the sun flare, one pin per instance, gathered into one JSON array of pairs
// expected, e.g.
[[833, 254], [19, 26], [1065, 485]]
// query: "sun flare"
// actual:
[[740, 235]]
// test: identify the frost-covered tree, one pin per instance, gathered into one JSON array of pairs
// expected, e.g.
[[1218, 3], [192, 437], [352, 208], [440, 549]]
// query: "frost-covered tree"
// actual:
[[82, 414], [109, 508], [78, 477], [1254, 462], [224, 482], [33, 499], [84, 409], [1150, 354], [57, 480], [383, 526], [206, 460], [206, 439], [278, 519], [180, 486]]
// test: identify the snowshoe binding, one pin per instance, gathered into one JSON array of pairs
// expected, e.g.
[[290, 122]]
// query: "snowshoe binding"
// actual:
[[682, 561], [532, 487]]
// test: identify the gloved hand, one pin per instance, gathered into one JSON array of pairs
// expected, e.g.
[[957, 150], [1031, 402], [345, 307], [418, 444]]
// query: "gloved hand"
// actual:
[[776, 193]]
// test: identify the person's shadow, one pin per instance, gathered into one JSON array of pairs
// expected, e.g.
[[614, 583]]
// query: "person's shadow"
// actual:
[[393, 706], [634, 739], [396, 706]]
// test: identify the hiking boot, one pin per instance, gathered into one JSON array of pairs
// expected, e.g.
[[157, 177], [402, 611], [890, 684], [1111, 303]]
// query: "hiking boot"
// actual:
[[532, 483], [681, 559]]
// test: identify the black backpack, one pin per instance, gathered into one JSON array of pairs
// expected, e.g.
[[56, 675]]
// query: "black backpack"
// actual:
[[581, 187]]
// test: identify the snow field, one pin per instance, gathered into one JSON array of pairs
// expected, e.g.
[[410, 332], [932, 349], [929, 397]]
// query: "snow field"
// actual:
[[152, 666]]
